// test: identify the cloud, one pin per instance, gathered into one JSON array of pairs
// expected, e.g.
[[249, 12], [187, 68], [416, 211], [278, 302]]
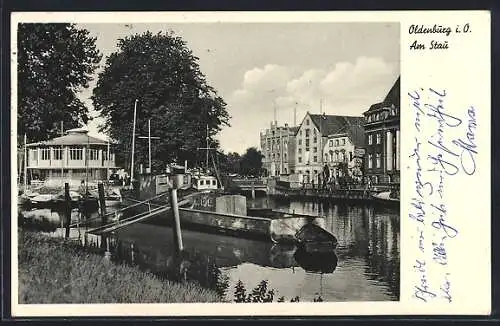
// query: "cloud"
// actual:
[[347, 88]]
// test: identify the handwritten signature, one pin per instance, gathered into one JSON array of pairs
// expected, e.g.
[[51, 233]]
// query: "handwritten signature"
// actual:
[[422, 291], [465, 150]]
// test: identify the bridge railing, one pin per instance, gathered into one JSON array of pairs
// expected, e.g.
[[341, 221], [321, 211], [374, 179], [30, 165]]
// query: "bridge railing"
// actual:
[[250, 182]]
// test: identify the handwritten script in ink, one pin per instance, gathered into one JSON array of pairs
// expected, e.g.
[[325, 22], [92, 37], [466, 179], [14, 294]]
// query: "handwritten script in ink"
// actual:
[[444, 146]]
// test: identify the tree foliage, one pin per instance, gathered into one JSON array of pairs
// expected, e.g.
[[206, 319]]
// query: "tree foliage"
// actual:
[[54, 62], [251, 162], [163, 74]]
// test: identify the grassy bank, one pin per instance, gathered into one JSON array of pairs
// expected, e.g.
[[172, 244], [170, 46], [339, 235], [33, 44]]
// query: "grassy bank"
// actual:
[[54, 271]]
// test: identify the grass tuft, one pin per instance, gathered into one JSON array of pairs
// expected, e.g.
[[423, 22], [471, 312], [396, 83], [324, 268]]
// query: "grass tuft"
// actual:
[[55, 271]]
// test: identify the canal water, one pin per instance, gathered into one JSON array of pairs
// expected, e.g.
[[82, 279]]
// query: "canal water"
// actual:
[[365, 266]]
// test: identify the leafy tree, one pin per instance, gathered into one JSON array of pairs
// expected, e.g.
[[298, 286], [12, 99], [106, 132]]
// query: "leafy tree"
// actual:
[[251, 162], [54, 62], [163, 74], [230, 163]]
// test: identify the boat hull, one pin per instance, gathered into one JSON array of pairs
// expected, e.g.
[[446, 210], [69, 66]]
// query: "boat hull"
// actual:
[[277, 230]]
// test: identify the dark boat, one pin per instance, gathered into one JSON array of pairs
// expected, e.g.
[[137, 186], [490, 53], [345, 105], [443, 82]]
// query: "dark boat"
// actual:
[[314, 239]]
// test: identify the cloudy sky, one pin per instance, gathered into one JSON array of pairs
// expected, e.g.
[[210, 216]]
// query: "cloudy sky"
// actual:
[[257, 67]]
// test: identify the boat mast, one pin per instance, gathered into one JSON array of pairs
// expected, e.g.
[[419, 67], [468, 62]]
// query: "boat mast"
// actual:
[[25, 179], [87, 153], [149, 144], [133, 143], [62, 150], [107, 171], [207, 148]]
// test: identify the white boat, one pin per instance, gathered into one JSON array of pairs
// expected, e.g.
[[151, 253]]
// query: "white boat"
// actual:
[[385, 197]]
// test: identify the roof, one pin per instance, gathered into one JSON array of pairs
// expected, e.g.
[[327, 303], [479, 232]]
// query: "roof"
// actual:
[[334, 124], [73, 137], [392, 98], [294, 130]]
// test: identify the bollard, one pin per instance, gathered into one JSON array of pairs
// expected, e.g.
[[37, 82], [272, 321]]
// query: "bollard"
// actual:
[[107, 254], [102, 202], [67, 198], [132, 255], [175, 212]]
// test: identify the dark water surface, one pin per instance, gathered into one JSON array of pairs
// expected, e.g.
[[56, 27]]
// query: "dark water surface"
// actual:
[[365, 267]]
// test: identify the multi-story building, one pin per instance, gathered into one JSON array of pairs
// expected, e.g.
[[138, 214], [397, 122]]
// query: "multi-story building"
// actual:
[[73, 157], [344, 151], [274, 143], [382, 132], [311, 138]]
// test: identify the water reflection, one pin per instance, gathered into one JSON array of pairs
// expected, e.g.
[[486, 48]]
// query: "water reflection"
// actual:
[[365, 265]]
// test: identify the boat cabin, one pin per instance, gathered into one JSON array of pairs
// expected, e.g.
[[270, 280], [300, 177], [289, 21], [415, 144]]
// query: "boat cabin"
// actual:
[[205, 183]]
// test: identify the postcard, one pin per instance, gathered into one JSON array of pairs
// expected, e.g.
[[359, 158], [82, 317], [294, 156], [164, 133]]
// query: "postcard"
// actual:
[[251, 163]]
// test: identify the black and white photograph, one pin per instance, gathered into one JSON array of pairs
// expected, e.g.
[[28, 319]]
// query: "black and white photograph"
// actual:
[[226, 162]]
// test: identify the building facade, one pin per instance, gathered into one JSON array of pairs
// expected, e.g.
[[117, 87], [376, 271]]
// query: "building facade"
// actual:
[[274, 143], [311, 138], [382, 132], [73, 157], [343, 153]]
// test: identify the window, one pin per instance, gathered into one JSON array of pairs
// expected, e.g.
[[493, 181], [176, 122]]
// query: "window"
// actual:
[[314, 131], [57, 153], [45, 154], [300, 159], [331, 142], [300, 132], [378, 138], [350, 156], [284, 156], [370, 161], [307, 132], [315, 158], [307, 143], [93, 154], [34, 154], [214, 182], [105, 155], [315, 149], [315, 140], [336, 142], [300, 141], [336, 156], [201, 182], [343, 141], [370, 139], [300, 150], [307, 122], [378, 160], [75, 154]]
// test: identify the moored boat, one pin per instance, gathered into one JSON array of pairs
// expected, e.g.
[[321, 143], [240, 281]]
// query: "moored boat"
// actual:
[[227, 214], [315, 239], [386, 197]]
